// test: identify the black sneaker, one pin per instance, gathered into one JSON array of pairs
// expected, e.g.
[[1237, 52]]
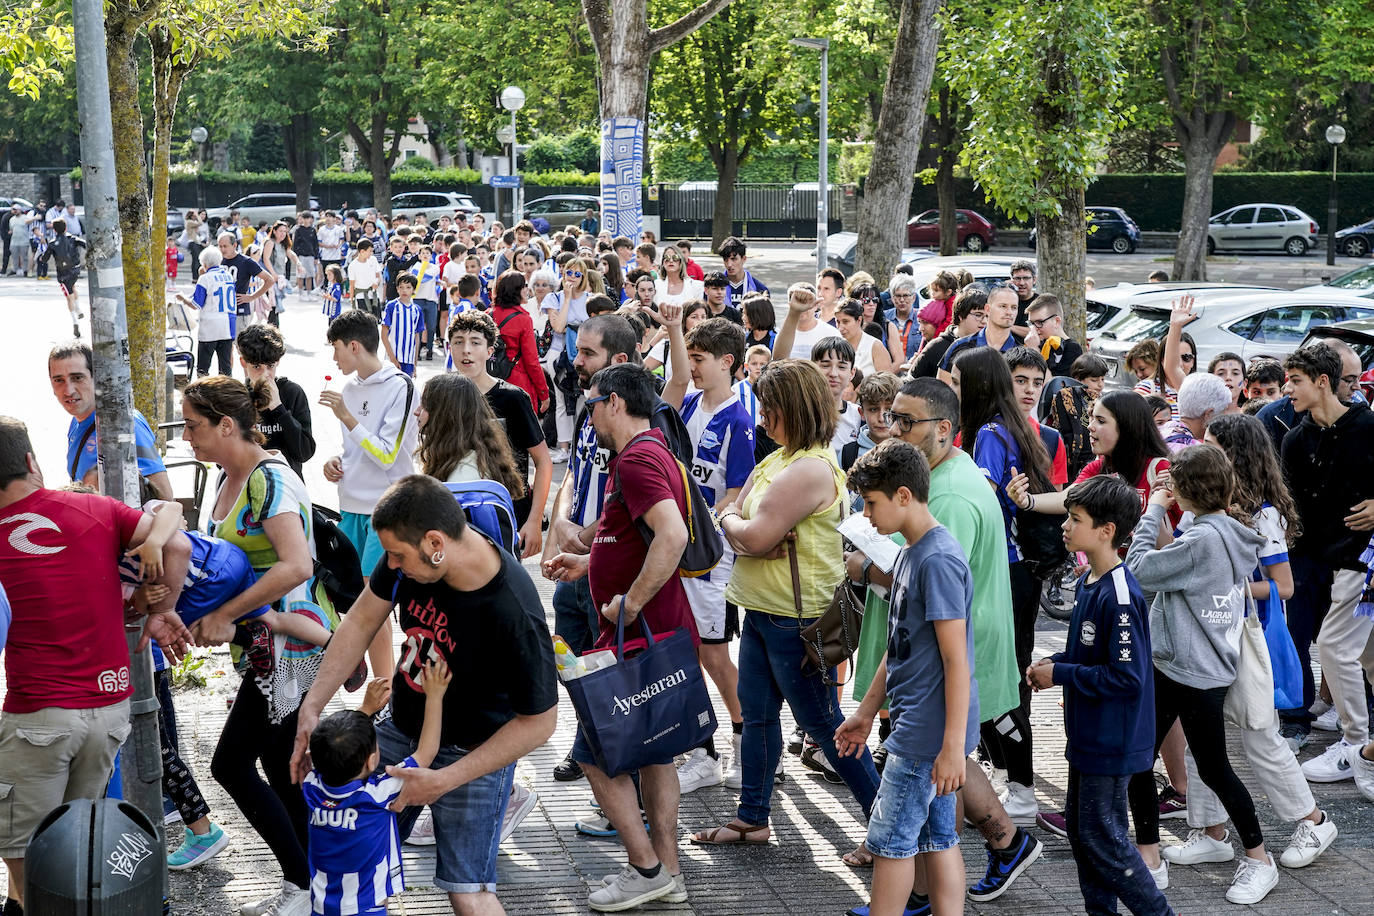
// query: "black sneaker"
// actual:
[[880, 758], [568, 771], [915, 906], [813, 758], [1005, 866]]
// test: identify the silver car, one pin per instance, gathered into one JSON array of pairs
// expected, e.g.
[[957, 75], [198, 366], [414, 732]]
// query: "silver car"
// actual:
[[1256, 324], [1110, 305], [433, 204], [267, 208], [1262, 227], [1359, 282]]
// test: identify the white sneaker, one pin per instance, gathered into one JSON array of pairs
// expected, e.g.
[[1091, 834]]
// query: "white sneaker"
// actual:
[[1253, 881], [700, 769], [522, 802], [629, 890], [1333, 765], [295, 901], [678, 895], [734, 776], [1020, 804], [1161, 874], [558, 455], [1319, 706], [422, 834], [265, 906], [1328, 721], [1200, 848], [1364, 773], [1308, 841]]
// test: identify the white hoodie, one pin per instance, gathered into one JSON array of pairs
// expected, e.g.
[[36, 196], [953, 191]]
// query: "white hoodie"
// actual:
[[380, 449]]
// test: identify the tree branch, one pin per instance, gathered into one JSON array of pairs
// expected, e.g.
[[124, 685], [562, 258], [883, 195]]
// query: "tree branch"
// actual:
[[598, 16], [670, 34]]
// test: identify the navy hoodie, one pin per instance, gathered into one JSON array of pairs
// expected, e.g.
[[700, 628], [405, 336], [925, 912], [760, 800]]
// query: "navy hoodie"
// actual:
[[1105, 670]]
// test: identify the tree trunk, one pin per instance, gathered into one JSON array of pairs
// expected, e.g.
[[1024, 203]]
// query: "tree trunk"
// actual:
[[1061, 251], [145, 311], [168, 77], [897, 141], [624, 47], [727, 171], [298, 143], [1200, 150]]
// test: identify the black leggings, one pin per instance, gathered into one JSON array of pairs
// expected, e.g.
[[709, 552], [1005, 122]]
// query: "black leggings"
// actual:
[[177, 782], [276, 808], [1205, 729], [1008, 737]]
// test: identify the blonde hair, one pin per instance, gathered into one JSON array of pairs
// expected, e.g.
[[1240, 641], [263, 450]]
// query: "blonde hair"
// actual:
[[798, 397]]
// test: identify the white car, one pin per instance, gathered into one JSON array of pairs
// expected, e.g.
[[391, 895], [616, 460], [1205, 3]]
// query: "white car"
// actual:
[[1265, 227], [1269, 324], [840, 248], [261, 208], [433, 204], [1109, 305], [1358, 282]]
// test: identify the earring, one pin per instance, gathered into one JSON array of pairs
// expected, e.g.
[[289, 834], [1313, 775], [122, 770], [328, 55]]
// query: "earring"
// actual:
[[436, 558]]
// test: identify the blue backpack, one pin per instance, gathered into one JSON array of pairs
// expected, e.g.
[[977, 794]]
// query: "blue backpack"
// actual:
[[488, 507]]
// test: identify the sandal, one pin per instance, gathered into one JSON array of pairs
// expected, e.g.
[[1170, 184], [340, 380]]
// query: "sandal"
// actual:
[[742, 831], [859, 858]]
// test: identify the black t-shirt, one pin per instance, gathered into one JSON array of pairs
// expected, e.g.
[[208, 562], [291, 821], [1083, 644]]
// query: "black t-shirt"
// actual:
[[512, 407], [1061, 361], [305, 242], [494, 640], [729, 312], [243, 269], [393, 268]]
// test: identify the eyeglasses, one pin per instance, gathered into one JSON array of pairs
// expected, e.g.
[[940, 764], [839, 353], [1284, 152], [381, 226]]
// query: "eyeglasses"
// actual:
[[981, 316], [1040, 323], [902, 423], [1022, 278], [903, 295], [592, 402], [574, 274], [1350, 381]]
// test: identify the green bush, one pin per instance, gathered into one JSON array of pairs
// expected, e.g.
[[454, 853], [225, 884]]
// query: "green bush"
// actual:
[[414, 164], [579, 151]]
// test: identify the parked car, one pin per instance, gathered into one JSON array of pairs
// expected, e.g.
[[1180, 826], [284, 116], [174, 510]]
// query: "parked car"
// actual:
[[1109, 229], [1356, 241], [24, 203], [433, 204], [563, 209], [1359, 333], [985, 268], [1255, 324], [1262, 227], [1111, 304], [974, 233], [1359, 282], [261, 208], [840, 248]]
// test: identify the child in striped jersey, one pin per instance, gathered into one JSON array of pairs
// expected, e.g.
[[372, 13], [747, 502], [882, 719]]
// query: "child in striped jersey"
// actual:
[[355, 851], [403, 322]]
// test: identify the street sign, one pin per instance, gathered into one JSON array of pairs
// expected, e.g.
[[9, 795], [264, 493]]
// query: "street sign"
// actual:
[[505, 181]]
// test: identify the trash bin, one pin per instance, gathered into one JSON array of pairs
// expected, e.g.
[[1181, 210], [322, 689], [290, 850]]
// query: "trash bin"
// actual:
[[93, 858]]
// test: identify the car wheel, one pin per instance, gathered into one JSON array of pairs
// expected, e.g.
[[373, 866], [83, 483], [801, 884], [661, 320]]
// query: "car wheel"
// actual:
[[1122, 245], [1296, 246], [1211, 246], [1357, 246], [974, 242]]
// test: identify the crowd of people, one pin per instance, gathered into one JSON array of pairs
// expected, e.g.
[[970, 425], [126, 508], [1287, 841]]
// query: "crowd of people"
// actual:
[[961, 420]]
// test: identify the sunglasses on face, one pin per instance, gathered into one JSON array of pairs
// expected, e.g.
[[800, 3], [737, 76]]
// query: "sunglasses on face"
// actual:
[[573, 274], [1187, 358]]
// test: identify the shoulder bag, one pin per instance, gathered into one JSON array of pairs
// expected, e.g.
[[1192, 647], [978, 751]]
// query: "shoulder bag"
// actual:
[[834, 636], [1250, 699]]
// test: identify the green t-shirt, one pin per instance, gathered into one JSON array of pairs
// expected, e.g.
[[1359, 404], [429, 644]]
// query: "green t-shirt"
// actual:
[[962, 501], [872, 637]]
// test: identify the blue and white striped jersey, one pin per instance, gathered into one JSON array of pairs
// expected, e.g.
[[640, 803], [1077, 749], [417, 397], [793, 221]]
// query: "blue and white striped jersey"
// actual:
[[355, 851], [406, 321], [724, 443], [745, 392]]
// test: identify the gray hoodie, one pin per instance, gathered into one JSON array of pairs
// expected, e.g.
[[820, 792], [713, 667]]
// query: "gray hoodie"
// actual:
[[1199, 581]]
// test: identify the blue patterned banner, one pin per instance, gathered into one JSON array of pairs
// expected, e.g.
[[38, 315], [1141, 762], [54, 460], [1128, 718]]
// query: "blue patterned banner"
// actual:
[[622, 174]]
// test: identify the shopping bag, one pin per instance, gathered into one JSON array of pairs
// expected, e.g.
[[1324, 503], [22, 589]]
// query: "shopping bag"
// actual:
[[1249, 701], [647, 708], [1283, 654]]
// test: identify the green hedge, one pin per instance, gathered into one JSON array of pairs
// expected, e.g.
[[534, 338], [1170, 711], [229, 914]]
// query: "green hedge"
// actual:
[[1155, 202]]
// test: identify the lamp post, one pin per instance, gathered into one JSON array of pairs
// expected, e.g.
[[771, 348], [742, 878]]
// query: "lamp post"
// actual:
[[823, 184], [1335, 135], [513, 99], [198, 136]]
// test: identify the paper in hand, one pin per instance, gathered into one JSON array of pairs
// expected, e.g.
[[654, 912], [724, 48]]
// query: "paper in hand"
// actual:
[[882, 550]]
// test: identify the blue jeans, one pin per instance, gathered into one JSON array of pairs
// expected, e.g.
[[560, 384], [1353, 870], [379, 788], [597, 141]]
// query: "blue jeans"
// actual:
[[908, 816], [430, 308], [574, 615], [1109, 868], [467, 820], [770, 658]]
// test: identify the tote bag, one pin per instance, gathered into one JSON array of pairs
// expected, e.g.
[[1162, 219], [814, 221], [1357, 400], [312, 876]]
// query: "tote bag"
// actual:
[[1283, 654], [646, 709], [1250, 699]]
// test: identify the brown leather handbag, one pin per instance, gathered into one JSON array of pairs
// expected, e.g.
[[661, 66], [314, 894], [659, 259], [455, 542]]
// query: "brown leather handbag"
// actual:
[[834, 636]]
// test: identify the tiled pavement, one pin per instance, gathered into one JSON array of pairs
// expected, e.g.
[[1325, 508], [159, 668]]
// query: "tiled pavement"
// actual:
[[545, 868]]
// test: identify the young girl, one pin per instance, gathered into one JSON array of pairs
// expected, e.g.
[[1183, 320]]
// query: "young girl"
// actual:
[[460, 437], [1230, 368], [333, 291], [1261, 495], [760, 320], [1200, 583], [1177, 356], [939, 311]]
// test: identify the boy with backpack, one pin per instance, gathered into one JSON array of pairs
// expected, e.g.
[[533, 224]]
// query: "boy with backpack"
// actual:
[[404, 320], [1108, 699]]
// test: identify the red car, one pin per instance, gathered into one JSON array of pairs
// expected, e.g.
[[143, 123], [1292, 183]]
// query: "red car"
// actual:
[[973, 231]]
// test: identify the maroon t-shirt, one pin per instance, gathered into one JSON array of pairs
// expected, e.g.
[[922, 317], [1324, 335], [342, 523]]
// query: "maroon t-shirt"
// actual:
[[644, 474]]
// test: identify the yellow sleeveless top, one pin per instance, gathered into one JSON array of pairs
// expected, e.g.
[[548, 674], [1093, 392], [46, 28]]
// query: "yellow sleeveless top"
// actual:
[[757, 584]]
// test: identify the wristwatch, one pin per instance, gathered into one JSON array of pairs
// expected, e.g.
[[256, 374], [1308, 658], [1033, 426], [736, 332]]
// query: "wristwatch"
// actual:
[[866, 569]]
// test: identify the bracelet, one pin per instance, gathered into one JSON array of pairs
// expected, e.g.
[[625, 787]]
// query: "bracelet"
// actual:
[[1030, 502]]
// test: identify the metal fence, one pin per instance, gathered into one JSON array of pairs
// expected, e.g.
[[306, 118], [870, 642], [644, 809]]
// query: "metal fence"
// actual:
[[761, 211]]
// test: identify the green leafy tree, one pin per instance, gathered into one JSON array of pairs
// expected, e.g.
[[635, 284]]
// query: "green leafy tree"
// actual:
[[1044, 85]]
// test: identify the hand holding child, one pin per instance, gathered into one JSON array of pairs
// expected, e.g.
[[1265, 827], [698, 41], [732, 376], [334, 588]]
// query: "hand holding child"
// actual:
[[149, 556]]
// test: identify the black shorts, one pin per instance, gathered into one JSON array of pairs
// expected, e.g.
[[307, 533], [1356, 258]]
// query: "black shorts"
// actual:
[[68, 282]]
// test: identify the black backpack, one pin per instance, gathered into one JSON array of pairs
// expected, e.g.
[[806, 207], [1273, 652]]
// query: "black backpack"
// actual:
[[338, 569], [502, 361], [1039, 535]]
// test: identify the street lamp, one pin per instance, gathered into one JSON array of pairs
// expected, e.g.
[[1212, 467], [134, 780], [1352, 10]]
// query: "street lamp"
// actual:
[[823, 184], [513, 99], [1335, 135], [198, 136]]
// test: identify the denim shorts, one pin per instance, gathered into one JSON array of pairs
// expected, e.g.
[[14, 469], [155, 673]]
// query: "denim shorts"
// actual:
[[908, 817], [467, 820]]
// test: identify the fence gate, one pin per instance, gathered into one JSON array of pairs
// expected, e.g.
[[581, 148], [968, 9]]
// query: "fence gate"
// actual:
[[761, 211]]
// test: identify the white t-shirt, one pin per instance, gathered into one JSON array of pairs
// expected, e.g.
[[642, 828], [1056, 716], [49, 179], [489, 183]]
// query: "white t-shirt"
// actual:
[[466, 469], [803, 341], [691, 289], [847, 429], [863, 354], [331, 242], [363, 275]]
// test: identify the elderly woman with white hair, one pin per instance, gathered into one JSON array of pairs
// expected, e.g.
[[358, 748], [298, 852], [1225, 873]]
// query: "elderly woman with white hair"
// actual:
[[215, 297], [1201, 397], [903, 336]]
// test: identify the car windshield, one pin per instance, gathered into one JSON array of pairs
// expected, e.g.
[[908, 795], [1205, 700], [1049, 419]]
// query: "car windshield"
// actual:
[[1360, 278], [1142, 324]]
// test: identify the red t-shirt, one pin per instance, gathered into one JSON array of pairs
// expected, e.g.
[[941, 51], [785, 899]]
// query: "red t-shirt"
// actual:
[[58, 562], [1142, 486], [518, 333], [647, 474]]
